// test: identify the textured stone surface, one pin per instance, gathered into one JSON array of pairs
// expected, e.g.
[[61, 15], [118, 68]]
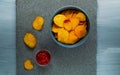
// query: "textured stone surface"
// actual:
[[76, 61]]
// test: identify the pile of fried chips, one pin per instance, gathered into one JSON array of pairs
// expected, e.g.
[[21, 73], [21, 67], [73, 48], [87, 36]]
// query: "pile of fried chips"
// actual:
[[69, 26]]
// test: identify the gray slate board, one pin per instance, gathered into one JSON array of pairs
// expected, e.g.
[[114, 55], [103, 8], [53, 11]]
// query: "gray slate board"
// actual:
[[76, 61]]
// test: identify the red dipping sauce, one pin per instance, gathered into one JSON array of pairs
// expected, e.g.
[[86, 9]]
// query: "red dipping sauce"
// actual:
[[43, 57]]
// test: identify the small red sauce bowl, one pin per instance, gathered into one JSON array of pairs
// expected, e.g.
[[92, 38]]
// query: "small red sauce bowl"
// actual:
[[43, 57]]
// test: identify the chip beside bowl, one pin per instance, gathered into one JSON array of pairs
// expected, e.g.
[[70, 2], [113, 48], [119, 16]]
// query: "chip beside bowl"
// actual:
[[62, 36]]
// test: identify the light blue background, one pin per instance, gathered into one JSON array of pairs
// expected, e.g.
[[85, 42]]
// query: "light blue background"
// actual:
[[108, 33]]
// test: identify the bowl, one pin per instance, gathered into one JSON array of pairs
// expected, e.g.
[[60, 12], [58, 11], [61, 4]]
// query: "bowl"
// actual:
[[81, 41], [43, 57]]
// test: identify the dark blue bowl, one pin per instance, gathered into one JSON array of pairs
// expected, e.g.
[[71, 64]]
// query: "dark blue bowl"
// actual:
[[81, 41]]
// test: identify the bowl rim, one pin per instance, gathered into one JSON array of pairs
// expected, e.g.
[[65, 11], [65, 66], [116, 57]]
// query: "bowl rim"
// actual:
[[81, 41]]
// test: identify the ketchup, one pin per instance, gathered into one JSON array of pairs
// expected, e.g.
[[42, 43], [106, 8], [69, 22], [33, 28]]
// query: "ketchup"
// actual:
[[43, 57]]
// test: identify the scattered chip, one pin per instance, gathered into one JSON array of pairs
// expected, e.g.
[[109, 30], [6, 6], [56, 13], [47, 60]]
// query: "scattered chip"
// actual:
[[30, 40], [28, 64], [38, 23]]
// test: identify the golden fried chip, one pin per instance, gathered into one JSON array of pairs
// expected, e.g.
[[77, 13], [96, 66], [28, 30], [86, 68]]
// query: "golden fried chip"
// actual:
[[80, 31], [28, 64], [59, 20], [72, 38], [63, 12], [63, 35], [55, 28], [67, 25], [68, 14], [30, 40], [74, 22], [81, 16], [85, 25], [74, 15], [38, 23]]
